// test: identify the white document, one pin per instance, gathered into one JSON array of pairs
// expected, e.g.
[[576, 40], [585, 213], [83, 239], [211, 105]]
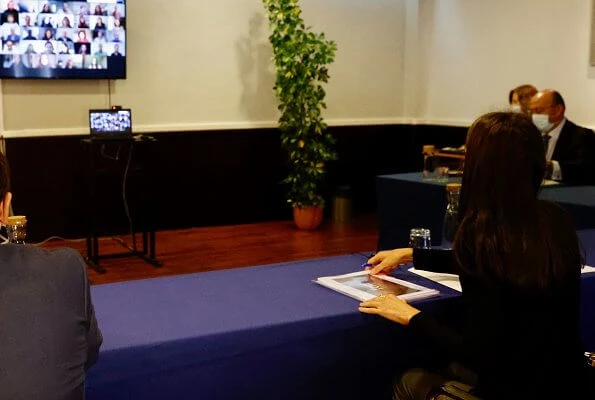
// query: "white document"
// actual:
[[452, 280], [449, 280], [363, 286]]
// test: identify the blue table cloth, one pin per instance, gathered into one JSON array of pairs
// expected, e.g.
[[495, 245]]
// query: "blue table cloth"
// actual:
[[264, 332], [407, 201], [578, 200]]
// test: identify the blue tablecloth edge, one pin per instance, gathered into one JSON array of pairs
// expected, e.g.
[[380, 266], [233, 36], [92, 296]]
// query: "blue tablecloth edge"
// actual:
[[227, 342], [273, 265]]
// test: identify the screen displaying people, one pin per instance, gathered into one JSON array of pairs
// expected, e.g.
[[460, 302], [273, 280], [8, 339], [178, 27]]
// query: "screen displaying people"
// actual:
[[106, 121], [75, 38]]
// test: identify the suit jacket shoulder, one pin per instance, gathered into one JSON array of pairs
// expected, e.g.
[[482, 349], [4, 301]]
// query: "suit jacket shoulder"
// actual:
[[59, 264], [47, 315], [575, 152]]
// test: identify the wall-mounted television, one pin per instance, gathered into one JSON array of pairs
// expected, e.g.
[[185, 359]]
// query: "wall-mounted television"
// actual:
[[63, 39]]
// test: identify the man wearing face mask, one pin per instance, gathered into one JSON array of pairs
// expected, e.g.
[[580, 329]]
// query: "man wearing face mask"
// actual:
[[570, 149]]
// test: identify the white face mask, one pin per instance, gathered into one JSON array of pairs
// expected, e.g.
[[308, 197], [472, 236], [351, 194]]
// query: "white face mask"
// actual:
[[542, 122], [515, 108]]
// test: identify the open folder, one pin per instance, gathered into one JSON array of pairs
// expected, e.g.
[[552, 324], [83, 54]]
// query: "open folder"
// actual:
[[363, 286]]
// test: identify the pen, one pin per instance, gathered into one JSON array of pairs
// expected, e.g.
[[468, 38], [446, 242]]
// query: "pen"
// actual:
[[367, 265]]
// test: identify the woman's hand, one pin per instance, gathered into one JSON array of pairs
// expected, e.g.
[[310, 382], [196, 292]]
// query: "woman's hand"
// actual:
[[385, 261], [390, 307]]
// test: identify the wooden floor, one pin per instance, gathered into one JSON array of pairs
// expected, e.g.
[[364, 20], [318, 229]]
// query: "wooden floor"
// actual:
[[214, 248]]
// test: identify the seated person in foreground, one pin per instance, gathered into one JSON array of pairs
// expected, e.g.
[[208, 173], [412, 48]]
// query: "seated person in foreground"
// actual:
[[48, 335], [570, 148], [519, 98], [519, 262]]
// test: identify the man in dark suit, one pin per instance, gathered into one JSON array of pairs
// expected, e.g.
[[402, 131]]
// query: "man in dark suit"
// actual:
[[30, 35], [48, 332], [116, 52], [570, 149], [10, 10]]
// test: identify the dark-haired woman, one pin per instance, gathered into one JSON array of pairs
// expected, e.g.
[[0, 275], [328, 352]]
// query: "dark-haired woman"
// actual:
[[519, 260]]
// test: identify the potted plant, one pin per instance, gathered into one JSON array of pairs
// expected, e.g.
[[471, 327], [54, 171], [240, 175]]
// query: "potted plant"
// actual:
[[301, 58]]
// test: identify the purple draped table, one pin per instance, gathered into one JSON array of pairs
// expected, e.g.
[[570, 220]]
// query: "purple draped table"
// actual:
[[264, 332]]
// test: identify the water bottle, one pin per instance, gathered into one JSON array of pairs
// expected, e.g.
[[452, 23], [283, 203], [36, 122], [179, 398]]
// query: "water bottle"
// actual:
[[451, 216]]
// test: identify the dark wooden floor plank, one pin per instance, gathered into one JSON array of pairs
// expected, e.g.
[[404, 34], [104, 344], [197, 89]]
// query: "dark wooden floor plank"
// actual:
[[223, 247]]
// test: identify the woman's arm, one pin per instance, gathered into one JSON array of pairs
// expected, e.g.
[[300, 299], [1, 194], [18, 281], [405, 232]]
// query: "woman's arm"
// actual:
[[447, 340], [397, 310], [435, 260]]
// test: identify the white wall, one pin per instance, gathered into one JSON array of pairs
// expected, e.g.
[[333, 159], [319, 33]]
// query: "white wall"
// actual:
[[367, 77], [198, 64], [475, 51], [425, 61]]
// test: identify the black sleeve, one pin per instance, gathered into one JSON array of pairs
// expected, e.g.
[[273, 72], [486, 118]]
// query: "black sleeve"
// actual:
[[581, 168], [435, 260], [448, 340]]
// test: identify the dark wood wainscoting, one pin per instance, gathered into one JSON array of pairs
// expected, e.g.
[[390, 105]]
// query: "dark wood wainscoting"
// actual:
[[193, 179]]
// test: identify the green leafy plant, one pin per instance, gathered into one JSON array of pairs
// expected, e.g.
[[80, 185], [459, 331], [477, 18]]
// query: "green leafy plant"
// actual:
[[301, 58]]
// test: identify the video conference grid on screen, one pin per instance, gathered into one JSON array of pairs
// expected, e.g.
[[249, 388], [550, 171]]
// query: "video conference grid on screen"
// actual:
[[108, 121], [54, 39]]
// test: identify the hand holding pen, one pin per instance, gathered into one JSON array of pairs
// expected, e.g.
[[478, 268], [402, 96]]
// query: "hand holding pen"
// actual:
[[386, 261]]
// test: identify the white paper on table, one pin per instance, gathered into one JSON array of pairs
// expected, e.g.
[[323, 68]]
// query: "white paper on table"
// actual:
[[448, 280], [452, 280]]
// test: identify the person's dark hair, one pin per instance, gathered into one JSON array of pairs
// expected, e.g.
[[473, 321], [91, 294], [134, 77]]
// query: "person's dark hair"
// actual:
[[557, 99], [4, 176], [504, 233]]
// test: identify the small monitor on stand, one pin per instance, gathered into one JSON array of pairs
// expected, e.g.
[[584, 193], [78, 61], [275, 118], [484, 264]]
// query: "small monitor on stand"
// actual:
[[113, 123]]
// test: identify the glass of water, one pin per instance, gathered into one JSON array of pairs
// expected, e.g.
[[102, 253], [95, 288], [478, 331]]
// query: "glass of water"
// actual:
[[17, 229], [420, 238]]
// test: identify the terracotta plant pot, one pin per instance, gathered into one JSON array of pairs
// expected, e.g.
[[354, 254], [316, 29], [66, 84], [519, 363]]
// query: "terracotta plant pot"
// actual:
[[307, 218]]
